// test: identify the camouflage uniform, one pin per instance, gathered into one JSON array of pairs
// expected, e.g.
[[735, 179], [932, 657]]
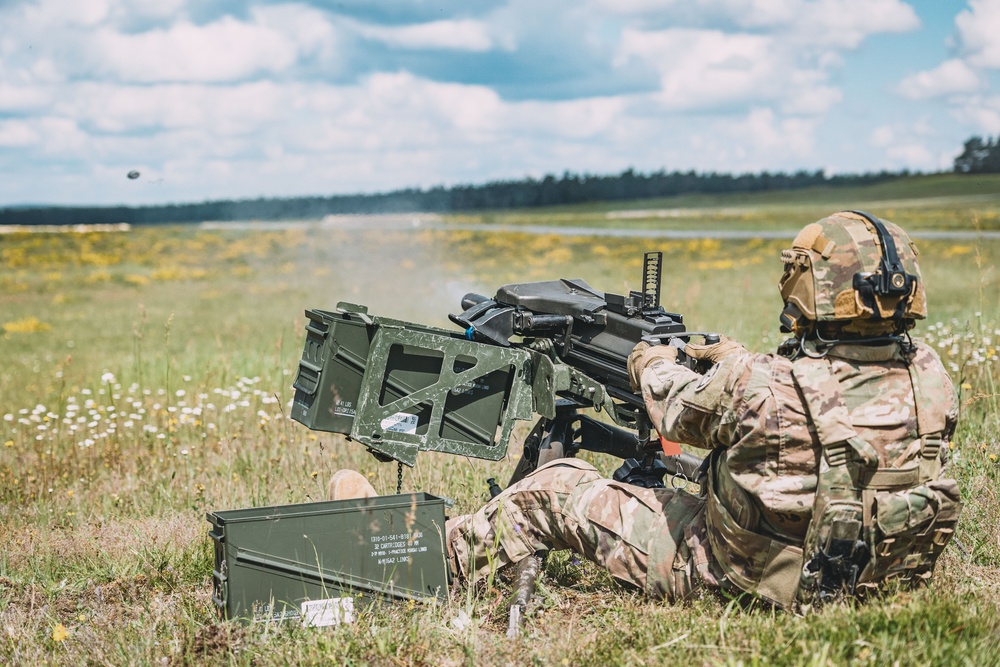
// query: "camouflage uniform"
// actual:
[[749, 410], [651, 538], [842, 446]]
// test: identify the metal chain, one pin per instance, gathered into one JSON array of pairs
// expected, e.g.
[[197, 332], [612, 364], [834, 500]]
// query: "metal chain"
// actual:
[[399, 477]]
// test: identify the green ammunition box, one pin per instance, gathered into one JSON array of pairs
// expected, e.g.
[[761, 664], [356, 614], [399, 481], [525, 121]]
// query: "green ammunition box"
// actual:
[[320, 562], [401, 388]]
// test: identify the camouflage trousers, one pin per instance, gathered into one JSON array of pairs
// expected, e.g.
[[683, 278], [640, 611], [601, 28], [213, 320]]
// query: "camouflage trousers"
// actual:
[[651, 538]]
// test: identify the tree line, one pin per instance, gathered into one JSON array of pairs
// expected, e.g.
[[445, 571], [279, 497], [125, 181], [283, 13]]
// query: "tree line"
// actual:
[[569, 188], [979, 156]]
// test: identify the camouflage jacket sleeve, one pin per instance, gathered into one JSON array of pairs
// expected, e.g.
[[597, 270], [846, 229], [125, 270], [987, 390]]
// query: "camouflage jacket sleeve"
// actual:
[[699, 410]]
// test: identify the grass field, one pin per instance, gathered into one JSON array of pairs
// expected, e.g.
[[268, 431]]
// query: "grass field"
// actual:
[[146, 380]]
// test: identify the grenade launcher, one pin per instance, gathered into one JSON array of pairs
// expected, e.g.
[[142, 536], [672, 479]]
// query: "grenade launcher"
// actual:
[[551, 348]]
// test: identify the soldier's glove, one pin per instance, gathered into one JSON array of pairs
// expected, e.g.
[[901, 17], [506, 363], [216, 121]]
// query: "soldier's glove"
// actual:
[[715, 352], [644, 355]]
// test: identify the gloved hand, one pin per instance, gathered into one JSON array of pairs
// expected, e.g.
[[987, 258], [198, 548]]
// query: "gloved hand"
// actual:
[[644, 354], [716, 352]]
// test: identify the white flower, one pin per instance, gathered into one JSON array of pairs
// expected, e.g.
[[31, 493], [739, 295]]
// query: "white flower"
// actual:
[[461, 620], [108, 377]]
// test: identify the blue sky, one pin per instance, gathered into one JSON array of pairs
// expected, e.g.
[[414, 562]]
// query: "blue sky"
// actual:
[[238, 99]]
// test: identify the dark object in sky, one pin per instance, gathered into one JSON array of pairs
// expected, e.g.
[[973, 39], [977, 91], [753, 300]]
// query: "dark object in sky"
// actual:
[[132, 175]]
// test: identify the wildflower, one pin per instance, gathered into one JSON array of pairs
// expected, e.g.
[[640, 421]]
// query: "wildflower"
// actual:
[[9, 443], [59, 633], [992, 457], [26, 325], [108, 377]]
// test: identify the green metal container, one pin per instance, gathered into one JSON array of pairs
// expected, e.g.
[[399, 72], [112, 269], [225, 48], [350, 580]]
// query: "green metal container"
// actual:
[[320, 562], [401, 388]]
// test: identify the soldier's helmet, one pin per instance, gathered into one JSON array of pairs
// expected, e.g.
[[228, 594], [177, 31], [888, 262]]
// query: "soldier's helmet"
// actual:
[[851, 274]]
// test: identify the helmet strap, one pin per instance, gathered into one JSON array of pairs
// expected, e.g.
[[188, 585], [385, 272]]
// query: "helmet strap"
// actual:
[[890, 280]]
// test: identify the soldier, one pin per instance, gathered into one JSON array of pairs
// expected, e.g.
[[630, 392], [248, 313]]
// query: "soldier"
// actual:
[[824, 474]]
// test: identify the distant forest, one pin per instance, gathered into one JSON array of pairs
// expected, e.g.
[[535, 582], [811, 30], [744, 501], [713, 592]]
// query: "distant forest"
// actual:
[[979, 156], [524, 193]]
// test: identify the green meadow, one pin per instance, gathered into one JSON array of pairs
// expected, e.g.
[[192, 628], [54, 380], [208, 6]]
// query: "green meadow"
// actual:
[[146, 379]]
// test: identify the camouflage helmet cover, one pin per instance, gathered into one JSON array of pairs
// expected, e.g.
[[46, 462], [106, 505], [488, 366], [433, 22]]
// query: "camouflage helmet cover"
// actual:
[[832, 264]]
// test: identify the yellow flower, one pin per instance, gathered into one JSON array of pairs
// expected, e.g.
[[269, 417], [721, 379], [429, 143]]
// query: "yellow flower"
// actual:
[[59, 633], [9, 443], [26, 325], [992, 457], [69, 493], [966, 385]]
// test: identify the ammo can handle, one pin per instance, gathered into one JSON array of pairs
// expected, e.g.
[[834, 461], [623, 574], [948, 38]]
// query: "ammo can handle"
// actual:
[[222, 586]]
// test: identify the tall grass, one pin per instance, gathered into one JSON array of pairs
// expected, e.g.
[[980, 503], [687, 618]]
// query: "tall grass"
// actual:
[[146, 380]]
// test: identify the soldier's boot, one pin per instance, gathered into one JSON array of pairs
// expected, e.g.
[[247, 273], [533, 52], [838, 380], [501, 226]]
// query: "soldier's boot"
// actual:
[[346, 484]]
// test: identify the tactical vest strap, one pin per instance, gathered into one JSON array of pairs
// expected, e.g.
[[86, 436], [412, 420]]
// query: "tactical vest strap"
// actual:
[[930, 426], [828, 413], [835, 550]]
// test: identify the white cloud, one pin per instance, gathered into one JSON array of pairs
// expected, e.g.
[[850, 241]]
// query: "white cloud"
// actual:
[[309, 28], [220, 110], [784, 58], [835, 22], [702, 69], [981, 112], [906, 145], [979, 33], [882, 136], [147, 9], [225, 50], [763, 133], [457, 35], [17, 133], [21, 98], [53, 136], [961, 79], [78, 13], [950, 77], [632, 7], [846, 23]]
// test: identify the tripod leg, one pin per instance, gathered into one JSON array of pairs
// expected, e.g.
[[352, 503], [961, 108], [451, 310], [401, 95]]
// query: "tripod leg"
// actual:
[[541, 446]]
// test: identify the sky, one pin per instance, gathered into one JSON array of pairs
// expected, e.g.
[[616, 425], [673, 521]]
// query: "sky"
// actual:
[[224, 99]]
